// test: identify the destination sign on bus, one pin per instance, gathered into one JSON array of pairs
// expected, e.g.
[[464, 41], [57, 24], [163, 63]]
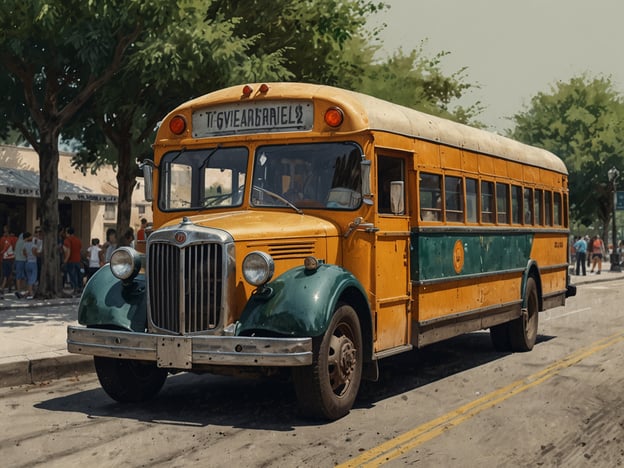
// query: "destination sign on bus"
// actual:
[[253, 117]]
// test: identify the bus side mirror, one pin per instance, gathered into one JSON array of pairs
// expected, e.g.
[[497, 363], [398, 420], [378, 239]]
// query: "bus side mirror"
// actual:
[[397, 197], [366, 185], [148, 171]]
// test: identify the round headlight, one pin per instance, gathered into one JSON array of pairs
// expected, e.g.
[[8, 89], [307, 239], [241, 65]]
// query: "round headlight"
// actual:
[[125, 263], [258, 268]]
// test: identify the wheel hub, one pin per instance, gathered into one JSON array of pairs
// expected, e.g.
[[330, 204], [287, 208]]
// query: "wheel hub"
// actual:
[[347, 357]]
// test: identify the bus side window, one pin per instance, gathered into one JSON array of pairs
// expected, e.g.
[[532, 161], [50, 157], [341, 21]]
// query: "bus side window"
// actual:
[[430, 197], [537, 200], [548, 208], [528, 206], [454, 199], [516, 204], [502, 203], [388, 170], [471, 200], [557, 208], [487, 202]]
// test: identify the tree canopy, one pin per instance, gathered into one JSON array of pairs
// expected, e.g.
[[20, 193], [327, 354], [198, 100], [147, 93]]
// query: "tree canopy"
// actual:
[[581, 121]]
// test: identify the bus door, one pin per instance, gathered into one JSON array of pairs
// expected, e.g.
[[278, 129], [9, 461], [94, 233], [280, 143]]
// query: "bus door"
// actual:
[[391, 279]]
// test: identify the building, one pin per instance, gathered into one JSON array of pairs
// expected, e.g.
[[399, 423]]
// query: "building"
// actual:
[[87, 202]]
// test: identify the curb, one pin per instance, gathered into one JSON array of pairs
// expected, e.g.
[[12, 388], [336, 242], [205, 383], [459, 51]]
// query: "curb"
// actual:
[[28, 304], [29, 371]]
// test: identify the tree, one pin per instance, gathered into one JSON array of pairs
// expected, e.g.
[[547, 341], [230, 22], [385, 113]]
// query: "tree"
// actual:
[[188, 56], [417, 81], [49, 68], [581, 121]]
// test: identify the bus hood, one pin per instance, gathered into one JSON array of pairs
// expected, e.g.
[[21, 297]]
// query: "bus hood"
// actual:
[[264, 225]]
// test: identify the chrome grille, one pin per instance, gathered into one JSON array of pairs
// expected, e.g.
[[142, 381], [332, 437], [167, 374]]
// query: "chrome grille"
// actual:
[[185, 286]]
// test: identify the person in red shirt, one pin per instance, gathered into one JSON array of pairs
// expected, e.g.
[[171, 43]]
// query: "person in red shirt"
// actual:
[[141, 232], [72, 249], [7, 251]]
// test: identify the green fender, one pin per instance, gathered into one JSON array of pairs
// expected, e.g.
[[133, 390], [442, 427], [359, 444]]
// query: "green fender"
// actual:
[[301, 303], [107, 301]]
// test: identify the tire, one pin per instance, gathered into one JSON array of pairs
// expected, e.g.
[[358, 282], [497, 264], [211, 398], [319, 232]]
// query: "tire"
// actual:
[[128, 380], [327, 389], [500, 337], [523, 330]]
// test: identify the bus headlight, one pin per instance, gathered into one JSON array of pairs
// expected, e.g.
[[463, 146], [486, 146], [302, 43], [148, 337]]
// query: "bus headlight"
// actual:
[[125, 263], [258, 268]]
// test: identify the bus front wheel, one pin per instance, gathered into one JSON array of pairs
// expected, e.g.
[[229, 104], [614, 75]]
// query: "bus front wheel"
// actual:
[[523, 330], [128, 380], [327, 389]]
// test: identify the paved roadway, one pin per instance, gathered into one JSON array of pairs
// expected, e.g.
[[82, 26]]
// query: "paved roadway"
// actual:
[[457, 403]]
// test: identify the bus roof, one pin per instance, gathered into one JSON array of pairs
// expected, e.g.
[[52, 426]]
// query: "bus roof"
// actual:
[[377, 114]]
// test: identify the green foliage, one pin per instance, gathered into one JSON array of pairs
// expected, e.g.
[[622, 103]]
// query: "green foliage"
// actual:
[[581, 121], [417, 81]]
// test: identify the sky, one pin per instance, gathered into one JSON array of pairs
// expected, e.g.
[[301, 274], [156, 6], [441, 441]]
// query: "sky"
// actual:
[[513, 48]]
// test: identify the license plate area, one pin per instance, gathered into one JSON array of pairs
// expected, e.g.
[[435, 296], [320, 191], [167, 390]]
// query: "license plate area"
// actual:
[[174, 352]]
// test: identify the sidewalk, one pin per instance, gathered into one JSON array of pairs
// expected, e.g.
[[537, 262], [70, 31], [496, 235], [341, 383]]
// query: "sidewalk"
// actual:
[[33, 336]]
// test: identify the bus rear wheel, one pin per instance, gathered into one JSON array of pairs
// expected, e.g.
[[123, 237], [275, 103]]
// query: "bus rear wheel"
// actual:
[[523, 330], [327, 389], [128, 380]]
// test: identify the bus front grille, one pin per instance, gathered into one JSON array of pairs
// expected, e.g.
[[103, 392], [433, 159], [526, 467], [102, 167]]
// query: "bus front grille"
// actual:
[[185, 286]]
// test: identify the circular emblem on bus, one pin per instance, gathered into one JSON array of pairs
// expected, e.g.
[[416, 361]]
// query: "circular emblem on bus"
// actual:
[[458, 256], [180, 237]]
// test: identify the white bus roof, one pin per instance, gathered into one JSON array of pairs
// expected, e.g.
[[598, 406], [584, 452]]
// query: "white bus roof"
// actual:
[[377, 114]]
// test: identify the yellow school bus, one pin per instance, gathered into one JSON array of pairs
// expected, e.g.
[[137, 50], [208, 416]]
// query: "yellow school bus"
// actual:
[[305, 227]]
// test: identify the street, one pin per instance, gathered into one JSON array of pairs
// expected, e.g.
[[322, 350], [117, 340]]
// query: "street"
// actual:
[[457, 403]]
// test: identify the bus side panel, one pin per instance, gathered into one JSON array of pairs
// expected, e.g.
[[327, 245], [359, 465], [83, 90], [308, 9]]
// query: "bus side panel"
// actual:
[[465, 280], [549, 251]]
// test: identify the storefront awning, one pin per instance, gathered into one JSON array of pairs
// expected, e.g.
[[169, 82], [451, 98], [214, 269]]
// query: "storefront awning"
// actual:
[[24, 183]]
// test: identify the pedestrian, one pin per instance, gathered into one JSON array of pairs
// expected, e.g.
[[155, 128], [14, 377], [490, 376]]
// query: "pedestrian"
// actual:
[[20, 264], [129, 237], [31, 253], [597, 252], [141, 232], [7, 252], [109, 246], [38, 241], [590, 243], [72, 247], [93, 255], [580, 246]]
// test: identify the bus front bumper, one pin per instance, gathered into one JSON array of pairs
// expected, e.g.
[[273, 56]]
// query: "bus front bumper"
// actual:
[[185, 351]]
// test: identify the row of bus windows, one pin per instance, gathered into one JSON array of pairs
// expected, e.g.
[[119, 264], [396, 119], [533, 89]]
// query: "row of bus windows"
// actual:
[[442, 199]]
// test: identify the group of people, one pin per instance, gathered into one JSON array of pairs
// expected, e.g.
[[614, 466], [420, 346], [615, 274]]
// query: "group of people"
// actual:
[[21, 258], [21, 261], [588, 251]]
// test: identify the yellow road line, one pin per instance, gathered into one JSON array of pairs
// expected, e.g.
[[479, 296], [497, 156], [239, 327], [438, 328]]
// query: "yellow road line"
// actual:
[[399, 445]]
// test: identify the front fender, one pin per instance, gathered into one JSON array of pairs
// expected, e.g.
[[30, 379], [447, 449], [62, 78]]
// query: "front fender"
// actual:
[[107, 301], [299, 303]]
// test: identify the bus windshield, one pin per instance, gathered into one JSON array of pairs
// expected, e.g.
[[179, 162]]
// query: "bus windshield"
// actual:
[[311, 175], [197, 179]]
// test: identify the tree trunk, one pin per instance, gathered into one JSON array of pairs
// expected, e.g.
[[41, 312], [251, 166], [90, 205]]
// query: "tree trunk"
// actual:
[[126, 181], [50, 281]]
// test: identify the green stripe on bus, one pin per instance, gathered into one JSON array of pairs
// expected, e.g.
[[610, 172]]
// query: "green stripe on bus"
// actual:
[[432, 253]]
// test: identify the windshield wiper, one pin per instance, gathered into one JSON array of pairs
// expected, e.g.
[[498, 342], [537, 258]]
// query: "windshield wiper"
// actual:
[[280, 198], [210, 155]]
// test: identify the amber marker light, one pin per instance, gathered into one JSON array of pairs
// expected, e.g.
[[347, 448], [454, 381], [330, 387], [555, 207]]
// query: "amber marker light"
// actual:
[[177, 125], [247, 90], [334, 117]]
